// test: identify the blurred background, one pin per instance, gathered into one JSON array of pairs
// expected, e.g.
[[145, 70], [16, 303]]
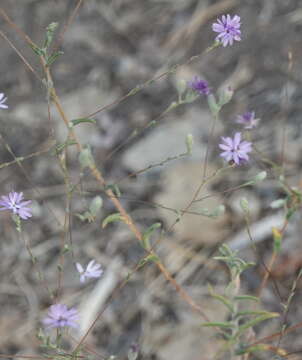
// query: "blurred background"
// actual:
[[109, 48]]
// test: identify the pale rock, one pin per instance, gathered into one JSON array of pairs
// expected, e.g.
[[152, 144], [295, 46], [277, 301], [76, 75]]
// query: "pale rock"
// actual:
[[179, 184], [187, 340], [168, 140]]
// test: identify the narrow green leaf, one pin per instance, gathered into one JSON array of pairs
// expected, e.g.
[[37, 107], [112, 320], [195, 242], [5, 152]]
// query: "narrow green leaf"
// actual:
[[224, 325], [224, 300], [246, 297], [250, 349], [53, 57], [214, 107], [146, 235], [37, 50], [112, 218], [83, 120], [61, 147], [189, 143], [250, 313], [150, 258], [254, 322]]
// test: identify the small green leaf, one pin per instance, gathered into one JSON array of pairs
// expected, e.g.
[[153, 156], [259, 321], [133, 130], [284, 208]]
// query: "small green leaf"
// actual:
[[51, 28], [37, 50], [254, 322], [244, 204], [225, 301], [189, 143], [218, 211], [250, 349], [112, 218], [59, 267], [224, 325], [115, 189], [246, 297], [146, 235], [65, 249], [150, 258], [260, 177], [87, 216], [277, 236], [225, 96], [96, 205], [214, 107], [250, 313], [190, 97], [82, 120], [53, 57], [61, 147], [86, 158], [181, 87], [290, 213], [277, 204]]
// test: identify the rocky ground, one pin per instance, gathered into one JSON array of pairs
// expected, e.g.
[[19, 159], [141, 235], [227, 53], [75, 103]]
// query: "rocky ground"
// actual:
[[109, 48]]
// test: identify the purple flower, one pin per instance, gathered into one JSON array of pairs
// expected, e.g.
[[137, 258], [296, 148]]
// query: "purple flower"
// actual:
[[92, 270], [248, 120], [235, 150], [14, 202], [2, 101], [59, 316], [200, 86], [228, 29]]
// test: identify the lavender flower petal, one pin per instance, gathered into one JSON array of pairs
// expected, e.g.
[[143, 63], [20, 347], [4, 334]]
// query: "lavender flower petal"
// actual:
[[93, 270], [235, 150], [2, 101], [228, 29], [248, 120], [60, 316], [14, 202], [200, 86]]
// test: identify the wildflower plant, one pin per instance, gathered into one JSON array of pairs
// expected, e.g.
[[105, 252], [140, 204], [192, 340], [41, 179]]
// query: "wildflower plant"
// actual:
[[241, 321], [236, 330]]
